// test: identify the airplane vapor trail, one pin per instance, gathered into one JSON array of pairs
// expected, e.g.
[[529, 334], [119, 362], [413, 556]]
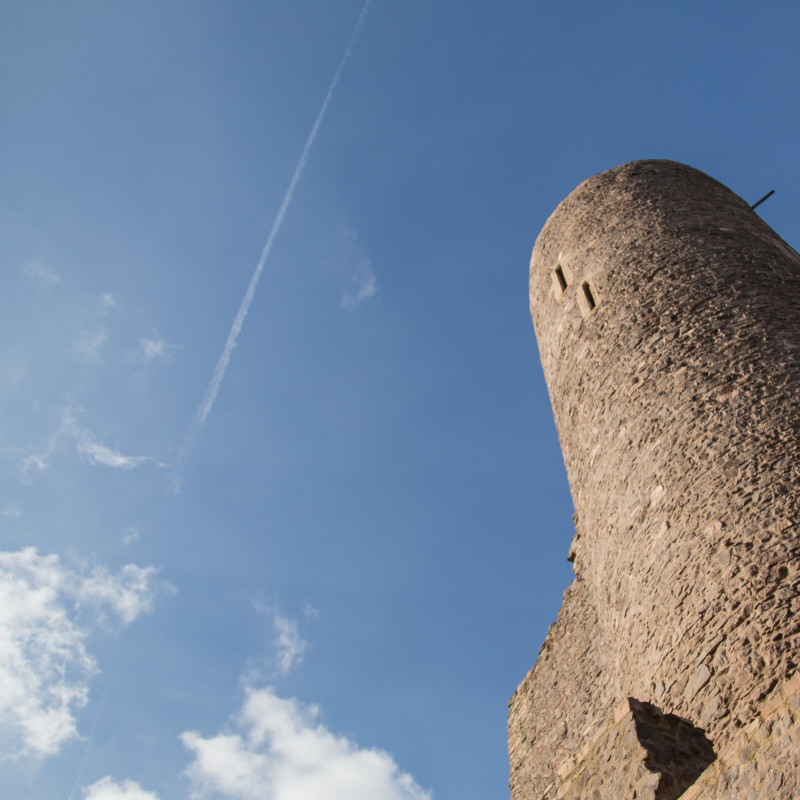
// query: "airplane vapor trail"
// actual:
[[89, 745], [222, 364]]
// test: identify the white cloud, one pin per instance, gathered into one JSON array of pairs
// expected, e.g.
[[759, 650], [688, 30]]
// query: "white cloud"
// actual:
[[93, 450], [43, 662], [43, 274], [109, 789], [288, 650], [365, 282], [100, 454], [127, 594], [13, 511], [282, 752], [156, 347], [39, 461], [88, 448], [290, 646], [34, 462], [47, 611], [131, 535]]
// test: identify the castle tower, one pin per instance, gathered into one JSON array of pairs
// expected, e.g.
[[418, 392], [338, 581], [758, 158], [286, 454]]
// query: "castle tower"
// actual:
[[668, 320]]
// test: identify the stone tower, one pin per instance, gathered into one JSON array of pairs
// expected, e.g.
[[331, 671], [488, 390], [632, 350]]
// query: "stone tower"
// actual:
[[668, 320]]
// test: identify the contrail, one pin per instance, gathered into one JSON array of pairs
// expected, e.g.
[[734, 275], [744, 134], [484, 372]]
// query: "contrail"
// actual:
[[89, 744], [222, 364]]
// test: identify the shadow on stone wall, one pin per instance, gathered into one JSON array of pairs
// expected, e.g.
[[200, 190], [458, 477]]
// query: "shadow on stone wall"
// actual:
[[676, 751], [655, 756]]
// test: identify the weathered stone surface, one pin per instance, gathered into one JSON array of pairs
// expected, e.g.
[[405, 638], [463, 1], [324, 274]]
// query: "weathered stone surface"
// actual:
[[653, 756], [667, 317]]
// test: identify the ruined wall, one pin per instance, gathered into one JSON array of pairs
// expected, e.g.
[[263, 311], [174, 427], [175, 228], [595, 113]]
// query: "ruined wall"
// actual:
[[668, 320]]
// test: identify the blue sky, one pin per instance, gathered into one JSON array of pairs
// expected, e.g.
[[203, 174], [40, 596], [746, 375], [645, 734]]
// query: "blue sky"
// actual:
[[330, 587]]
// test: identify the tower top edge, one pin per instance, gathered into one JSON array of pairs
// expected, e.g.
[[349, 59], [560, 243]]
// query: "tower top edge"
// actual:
[[655, 170], [649, 189]]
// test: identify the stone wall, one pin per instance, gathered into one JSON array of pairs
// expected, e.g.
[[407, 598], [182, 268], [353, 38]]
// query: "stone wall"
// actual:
[[653, 756], [763, 759], [666, 313]]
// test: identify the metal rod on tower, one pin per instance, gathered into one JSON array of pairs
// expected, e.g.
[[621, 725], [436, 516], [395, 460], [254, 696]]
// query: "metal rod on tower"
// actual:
[[765, 197]]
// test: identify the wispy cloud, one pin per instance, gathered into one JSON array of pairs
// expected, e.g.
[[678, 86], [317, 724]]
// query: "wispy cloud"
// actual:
[[156, 348], [107, 301], [100, 454], [39, 461], [222, 364], [88, 345], [290, 647], [287, 651], [120, 597], [43, 274], [92, 335], [278, 750], [131, 535], [94, 451], [12, 511], [366, 285], [47, 611], [87, 447]]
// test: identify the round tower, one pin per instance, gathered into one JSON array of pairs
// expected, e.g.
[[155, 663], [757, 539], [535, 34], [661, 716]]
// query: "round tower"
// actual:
[[668, 320]]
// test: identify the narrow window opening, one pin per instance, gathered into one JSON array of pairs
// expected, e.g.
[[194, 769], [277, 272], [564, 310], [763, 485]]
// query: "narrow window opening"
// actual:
[[562, 281], [587, 293]]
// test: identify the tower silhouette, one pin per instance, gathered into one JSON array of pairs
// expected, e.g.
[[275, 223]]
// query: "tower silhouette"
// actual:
[[667, 315]]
